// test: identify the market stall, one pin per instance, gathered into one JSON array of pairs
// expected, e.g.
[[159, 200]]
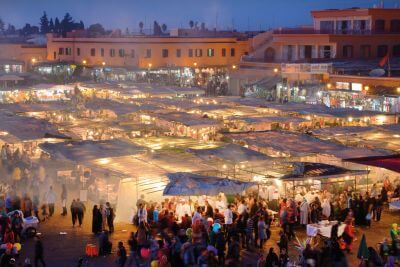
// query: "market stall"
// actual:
[[189, 184], [185, 124], [306, 177], [265, 123]]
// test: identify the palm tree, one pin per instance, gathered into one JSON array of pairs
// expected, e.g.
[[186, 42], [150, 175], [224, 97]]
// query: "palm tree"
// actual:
[[164, 27], [191, 24], [141, 25]]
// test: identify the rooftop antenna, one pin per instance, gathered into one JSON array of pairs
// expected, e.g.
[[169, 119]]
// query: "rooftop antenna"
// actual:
[[216, 20]]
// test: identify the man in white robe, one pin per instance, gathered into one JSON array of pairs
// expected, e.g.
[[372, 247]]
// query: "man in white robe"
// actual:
[[304, 210]]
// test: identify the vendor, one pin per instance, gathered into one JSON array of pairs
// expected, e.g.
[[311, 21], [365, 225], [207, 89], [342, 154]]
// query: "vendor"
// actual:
[[395, 235]]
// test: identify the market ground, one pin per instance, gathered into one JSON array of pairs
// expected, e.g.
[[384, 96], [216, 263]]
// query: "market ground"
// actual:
[[64, 250]]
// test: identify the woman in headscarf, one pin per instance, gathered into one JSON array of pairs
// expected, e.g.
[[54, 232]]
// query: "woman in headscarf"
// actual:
[[96, 220]]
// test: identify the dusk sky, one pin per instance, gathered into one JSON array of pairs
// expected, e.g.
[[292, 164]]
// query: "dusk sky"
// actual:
[[243, 14]]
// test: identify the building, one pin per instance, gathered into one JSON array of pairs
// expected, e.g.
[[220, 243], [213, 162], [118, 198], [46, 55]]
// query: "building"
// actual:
[[330, 61], [146, 52], [355, 33], [19, 57]]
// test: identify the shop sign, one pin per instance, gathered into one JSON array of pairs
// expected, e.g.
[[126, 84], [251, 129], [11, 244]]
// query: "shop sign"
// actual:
[[307, 68]]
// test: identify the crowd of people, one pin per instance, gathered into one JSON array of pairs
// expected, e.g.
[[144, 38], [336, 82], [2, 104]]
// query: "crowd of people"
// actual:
[[213, 232]]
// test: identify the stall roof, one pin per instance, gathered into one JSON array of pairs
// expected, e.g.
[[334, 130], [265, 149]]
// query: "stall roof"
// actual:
[[27, 128], [92, 150], [297, 144], [271, 119], [186, 119], [304, 109], [117, 107], [309, 170], [190, 184], [36, 107], [230, 152], [391, 162], [348, 130]]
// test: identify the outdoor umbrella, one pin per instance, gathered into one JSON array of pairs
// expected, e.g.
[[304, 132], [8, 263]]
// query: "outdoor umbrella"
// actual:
[[190, 184], [363, 252]]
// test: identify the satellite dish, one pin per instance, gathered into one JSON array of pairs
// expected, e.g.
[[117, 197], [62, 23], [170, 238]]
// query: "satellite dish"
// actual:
[[377, 73]]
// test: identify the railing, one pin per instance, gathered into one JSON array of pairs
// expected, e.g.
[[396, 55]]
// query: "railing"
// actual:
[[341, 32]]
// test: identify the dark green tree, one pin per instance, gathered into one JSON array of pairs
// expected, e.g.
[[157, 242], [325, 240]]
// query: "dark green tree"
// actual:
[[67, 24], [141, 25], [1, 26], [57, 26], [164, 27], [191, 24], [51, 25], [96, 30], [44, 23]]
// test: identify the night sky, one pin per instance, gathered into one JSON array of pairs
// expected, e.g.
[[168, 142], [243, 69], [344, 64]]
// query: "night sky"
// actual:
[[243, 14]]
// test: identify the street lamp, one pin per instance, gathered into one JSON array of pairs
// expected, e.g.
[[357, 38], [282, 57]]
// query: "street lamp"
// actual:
[[195, 64], [233, 66], [398, 90], [366, 88], [276, 70], [329, 86], [103, 63], [150, 65], [33, 60], [84, 62]]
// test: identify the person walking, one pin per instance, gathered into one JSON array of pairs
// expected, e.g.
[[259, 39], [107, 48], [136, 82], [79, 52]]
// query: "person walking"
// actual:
[[121, 255], [74, 214], [50, 199], [39, 251], [80, 209], [110, 217], [64, 200]]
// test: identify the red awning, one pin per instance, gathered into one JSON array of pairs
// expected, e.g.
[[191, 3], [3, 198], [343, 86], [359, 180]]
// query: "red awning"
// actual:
[[391, 162]]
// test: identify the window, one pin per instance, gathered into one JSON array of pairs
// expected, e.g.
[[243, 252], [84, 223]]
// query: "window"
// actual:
[[148, 53], [381, 50], [93, 52], [223, 52], [102, 52], [132, 53], [78, 51], [112, 52], [165, 53], [308, 51], [365, 51], [379, 25], [121, 52], [190, 52], [360, 25], [327, 26], [233, 52], [198, 52], [348, 51], [210, 52], [55, 55], [68, 51], [61, 51], [395, 25], [178, 52], [396, 50]]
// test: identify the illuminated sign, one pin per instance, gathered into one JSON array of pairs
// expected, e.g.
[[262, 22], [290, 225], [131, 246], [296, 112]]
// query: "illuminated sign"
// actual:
[[356, 87], [342, 86]]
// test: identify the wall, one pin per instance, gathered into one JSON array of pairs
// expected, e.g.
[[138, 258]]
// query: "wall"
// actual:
[[24, 53], [140, 43]]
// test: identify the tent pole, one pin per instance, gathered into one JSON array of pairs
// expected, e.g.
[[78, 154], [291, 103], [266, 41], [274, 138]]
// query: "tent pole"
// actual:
[[367, 178]]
